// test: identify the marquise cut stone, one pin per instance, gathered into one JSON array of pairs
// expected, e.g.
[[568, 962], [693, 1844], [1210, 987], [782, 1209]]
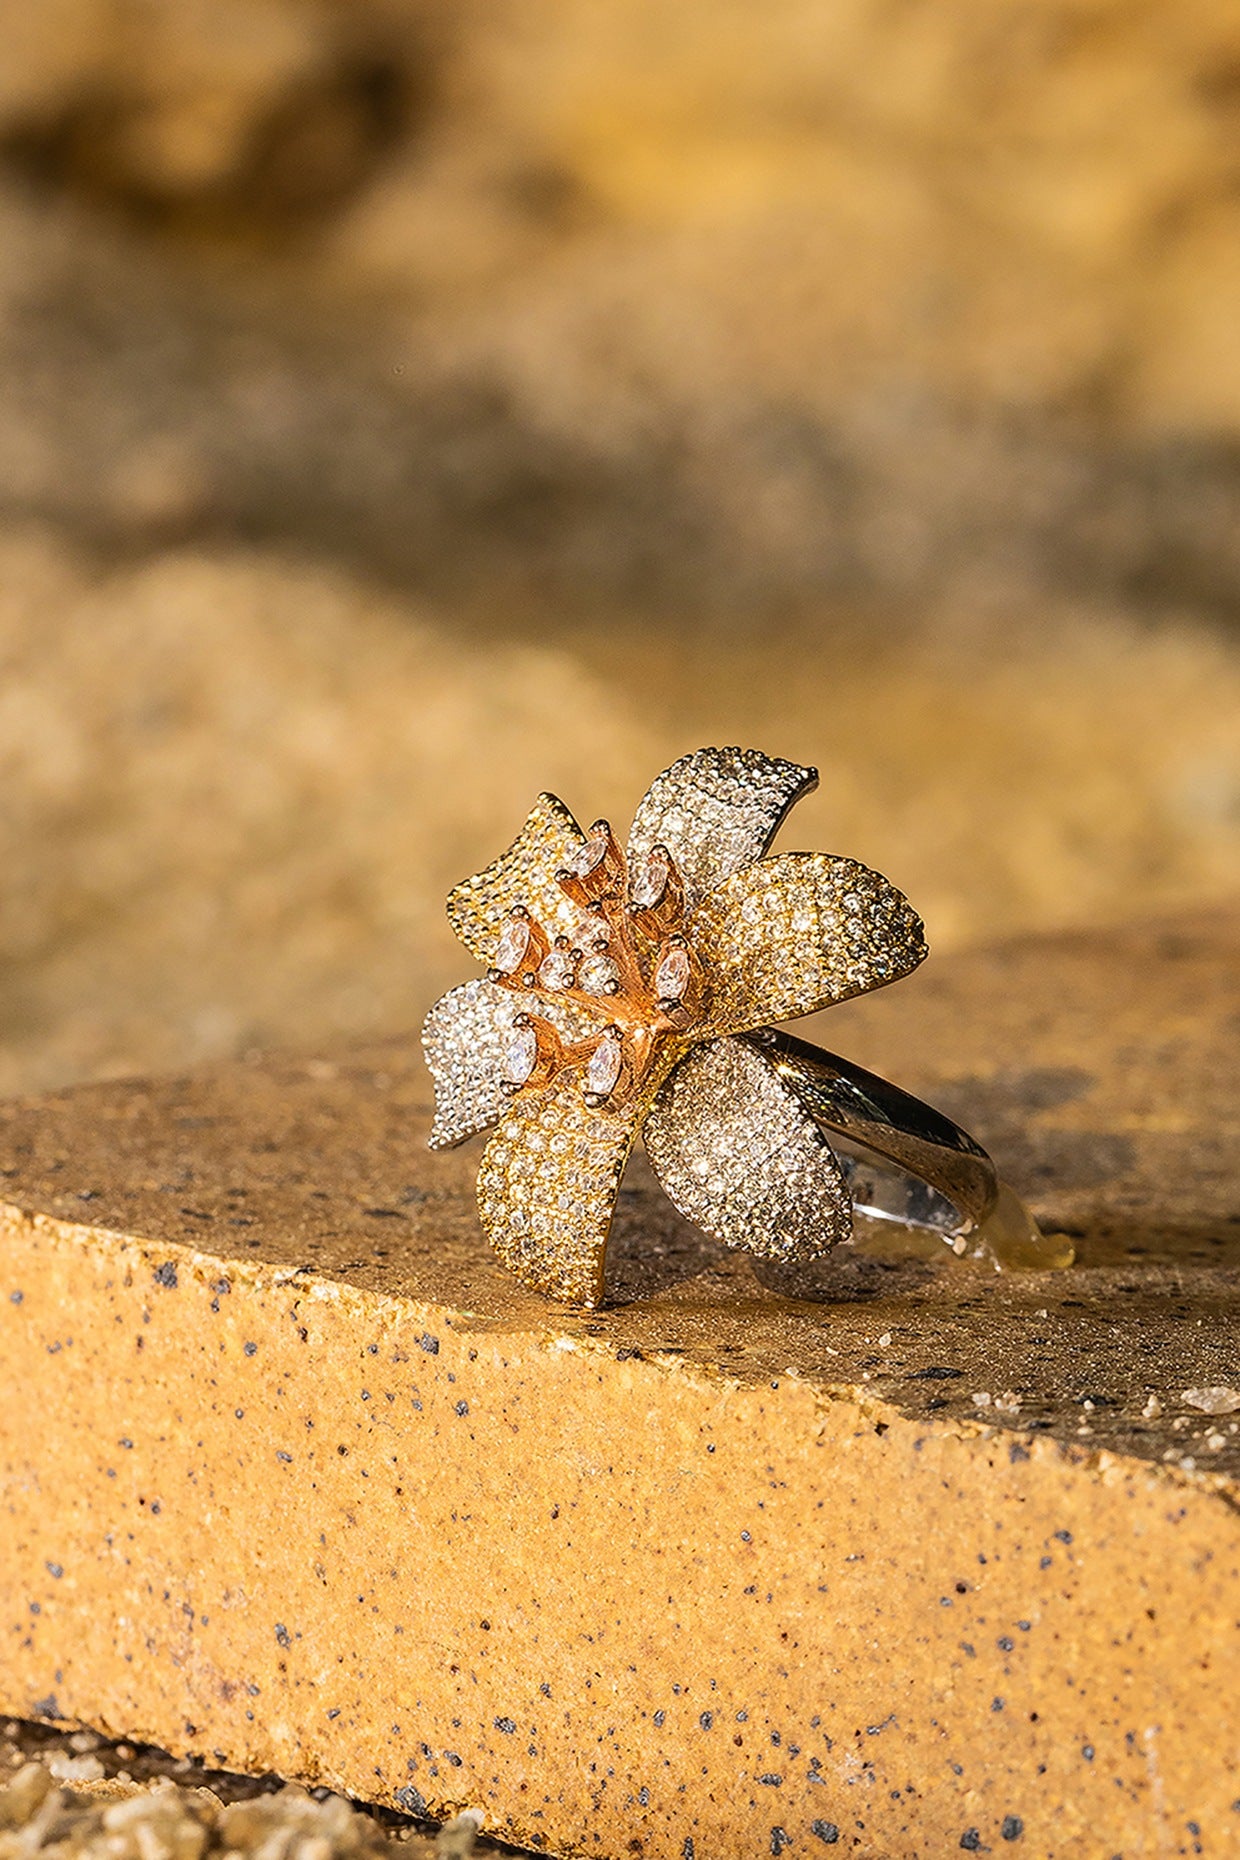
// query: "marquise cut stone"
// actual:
[[513, 945], [603, 1068], [650, 881], [520, 1055], [672, 975], [588, 855]]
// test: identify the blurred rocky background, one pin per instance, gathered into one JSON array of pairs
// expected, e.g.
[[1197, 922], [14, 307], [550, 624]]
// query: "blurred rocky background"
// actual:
[[404, 407]]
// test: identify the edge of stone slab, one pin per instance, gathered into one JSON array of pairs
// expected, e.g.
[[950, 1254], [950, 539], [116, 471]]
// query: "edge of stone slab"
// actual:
[[871, 1408]]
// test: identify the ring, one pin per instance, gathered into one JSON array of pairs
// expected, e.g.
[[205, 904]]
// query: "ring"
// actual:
[[632, 989]]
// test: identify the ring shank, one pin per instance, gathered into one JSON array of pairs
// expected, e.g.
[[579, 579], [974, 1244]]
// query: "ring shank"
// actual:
[[943, 1181]]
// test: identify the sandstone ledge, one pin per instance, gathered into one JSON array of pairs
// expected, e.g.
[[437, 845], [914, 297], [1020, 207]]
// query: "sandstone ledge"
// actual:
[[293, 1478]]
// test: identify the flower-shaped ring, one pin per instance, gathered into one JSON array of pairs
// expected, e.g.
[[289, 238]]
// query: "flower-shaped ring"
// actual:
[[631, 991]]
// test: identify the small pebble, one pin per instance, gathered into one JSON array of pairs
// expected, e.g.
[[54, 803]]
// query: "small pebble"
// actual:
[[1217, 1400]]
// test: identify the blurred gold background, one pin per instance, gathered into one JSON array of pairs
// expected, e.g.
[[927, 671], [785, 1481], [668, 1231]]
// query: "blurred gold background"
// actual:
[[406, 407]]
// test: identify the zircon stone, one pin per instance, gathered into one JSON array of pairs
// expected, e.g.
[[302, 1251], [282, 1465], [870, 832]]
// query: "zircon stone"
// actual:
[[650, 881], [589, 854], [588, 931], [598, 974], [672, 975], [556, 970], [604, 1067], [514, 942], [520, 1055]]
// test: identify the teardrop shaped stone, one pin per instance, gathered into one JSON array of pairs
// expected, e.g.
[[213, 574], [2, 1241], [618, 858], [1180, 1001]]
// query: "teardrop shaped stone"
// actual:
[[556, 970], [588, 931], [597, 974], [603, 1068], [514, 941]]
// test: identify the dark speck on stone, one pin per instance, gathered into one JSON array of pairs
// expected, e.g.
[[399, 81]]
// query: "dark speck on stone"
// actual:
[[15, 1298], [706, 1720], [55, 1569], [659, 1718], [166, 1275], [506, 1725], [411, 1801], [47, 1708], [826, 1831], [287, 1458], [746, 1538], [1006, 1643], [1013, 1827], [1065, 1537], [429, 1344], [462, 1407], [1016, 1452], [687, 1852], [283, 1635], [772, 1781], [996, 1704], [937, 1372], [779, 1840], [251, 1349], [971, 1840], [1087, 1751]]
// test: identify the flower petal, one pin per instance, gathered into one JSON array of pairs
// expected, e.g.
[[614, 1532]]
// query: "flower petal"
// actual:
[[796, 933], [547, 1189], [525, 874], [717, 810], [465, 1037], [740, 1157]]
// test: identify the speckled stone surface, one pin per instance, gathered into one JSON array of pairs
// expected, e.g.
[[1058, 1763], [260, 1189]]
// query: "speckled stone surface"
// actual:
[[292, 1477]]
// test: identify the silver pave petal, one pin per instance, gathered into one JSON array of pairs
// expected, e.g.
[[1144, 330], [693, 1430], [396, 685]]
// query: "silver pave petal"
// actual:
[[466, 1039], [717, 810], [525, 874], [738, 1154]]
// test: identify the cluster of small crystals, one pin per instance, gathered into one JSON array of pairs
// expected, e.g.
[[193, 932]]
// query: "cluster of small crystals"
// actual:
[[546, 1189], [468, 1038], [549, 840], [798, 932], [739, 1156], [717, 811]]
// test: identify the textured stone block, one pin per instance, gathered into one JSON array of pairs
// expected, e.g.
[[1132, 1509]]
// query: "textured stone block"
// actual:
[[291, 1476]]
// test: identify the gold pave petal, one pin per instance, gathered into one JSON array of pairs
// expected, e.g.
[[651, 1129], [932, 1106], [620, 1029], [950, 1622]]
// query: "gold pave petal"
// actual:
[[716, 811], [738, 1154], [798, 932], [547, 1189], [525, 874]]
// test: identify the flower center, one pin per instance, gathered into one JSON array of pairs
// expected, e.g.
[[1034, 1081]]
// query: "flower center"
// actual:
[[627, 963]]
